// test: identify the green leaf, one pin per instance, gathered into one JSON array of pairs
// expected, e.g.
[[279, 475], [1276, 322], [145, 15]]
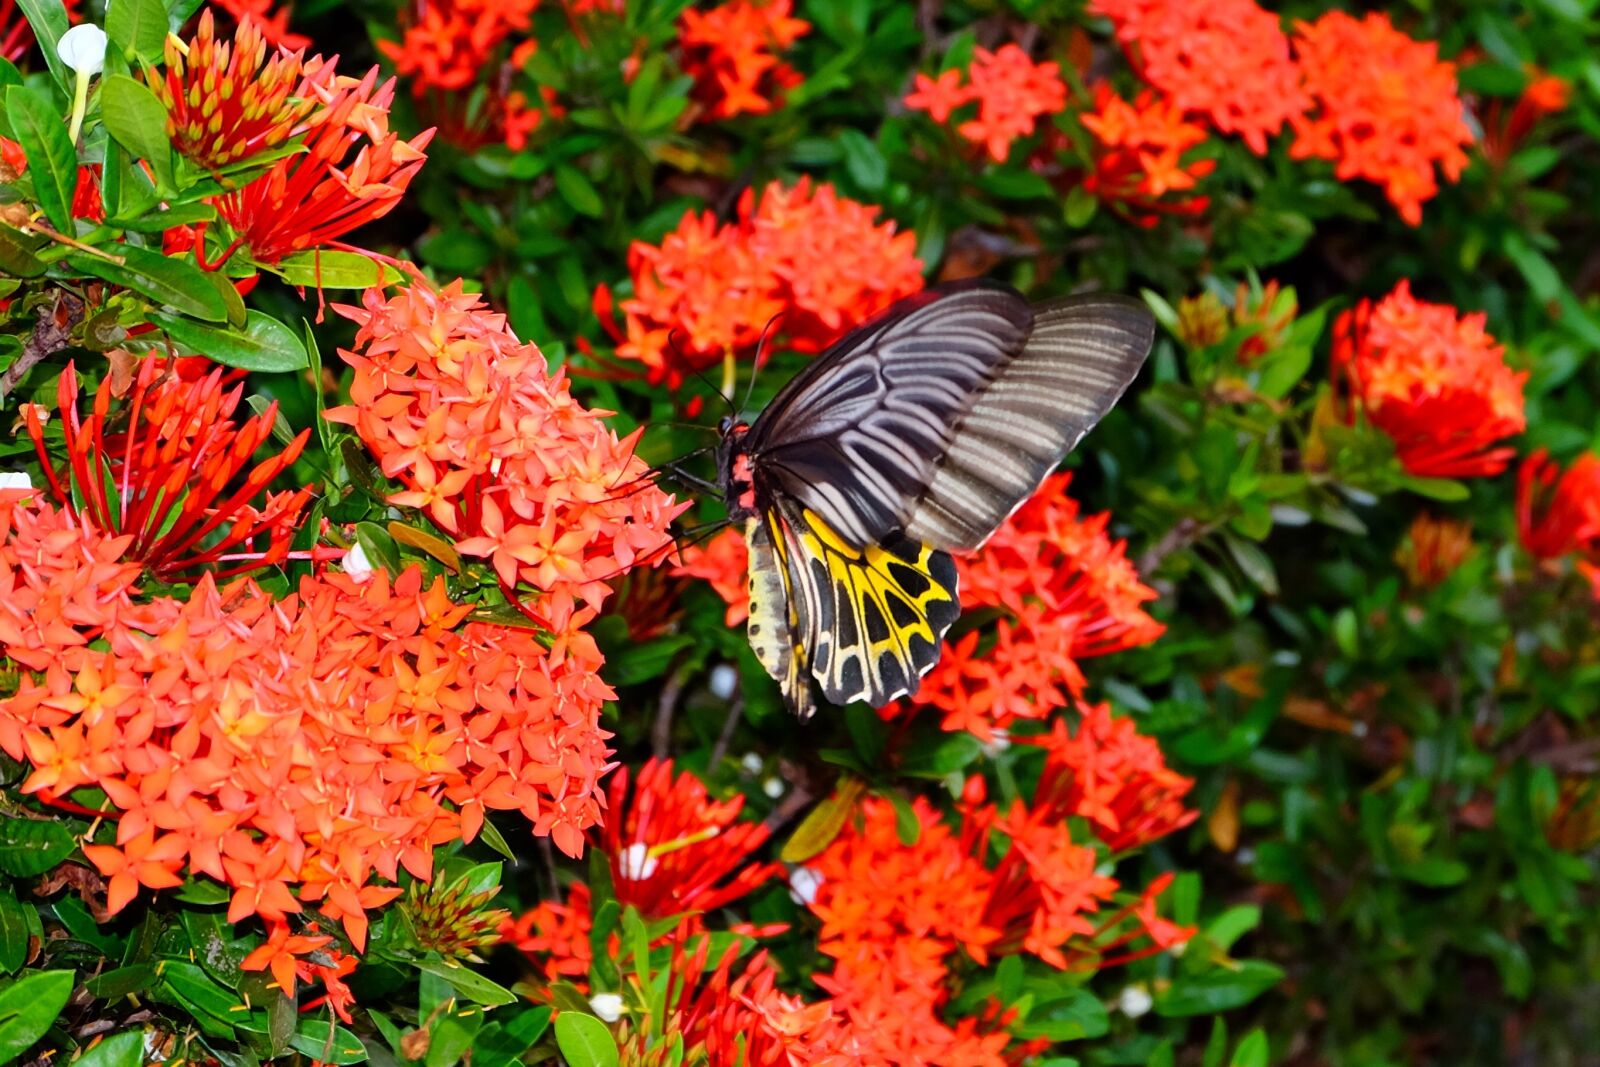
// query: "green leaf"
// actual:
[[139, 27], [124, 1049], [907, 827], [470, 984], [262, 344], [332, 270], [1073, 1017], [863, 161], [1446, 489], [17, 253], [49, 21], [137, 120], [191, 987], [13, 932], [585, 1041], [580, 195], [327, 1043], [52, 159], [824, 822], [1252, 1051], [1222, 989], [503, 1044], [29, 847], [939, 756], [28, 1007], [168, 281], [114, 985]]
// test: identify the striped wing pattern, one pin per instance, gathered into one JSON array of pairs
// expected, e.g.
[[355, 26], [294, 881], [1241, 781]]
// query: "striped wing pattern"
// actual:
[[866, 623], [773, 627]]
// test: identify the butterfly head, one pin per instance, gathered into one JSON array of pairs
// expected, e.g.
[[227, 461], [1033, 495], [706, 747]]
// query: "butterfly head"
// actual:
[[733, 469]]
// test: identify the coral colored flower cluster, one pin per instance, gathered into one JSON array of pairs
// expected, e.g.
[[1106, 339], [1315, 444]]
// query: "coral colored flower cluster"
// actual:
[[226, 101], [1385, 107], [1066, 592], [815, 262], [1379, 105], [724, 561], [1011, 90], [311, 199], [292, 749], [272, 25], [496, 451], [731, 52], [1139, 156], [1558, 512], [1227, 60], [895, 916], [1433, 380]]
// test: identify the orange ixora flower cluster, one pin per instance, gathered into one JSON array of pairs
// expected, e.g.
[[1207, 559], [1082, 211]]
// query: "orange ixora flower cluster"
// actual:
[[225, 101], [1139, 156], [297, 749], [1385, 107], [1378, 104], [1012, 93], [495, 450], [1433, 380], [273, 25], [731, 52], [803, 257], [1433, 548], [724, 561], [895, 917], [1065, 590], [311, 199], [1227, 60], [1558, 512]]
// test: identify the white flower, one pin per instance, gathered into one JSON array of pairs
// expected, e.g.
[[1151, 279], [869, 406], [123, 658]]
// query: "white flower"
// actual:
[[752, 763], [607, 1007], [998, 743], [356, 564], [773, 787], [803, 885], [723, 680], [1134, 1001], [637, 863], [15, 480], [83, 48]]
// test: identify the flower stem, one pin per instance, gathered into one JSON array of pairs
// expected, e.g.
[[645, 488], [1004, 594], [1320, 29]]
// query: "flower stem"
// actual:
[[80, 104]]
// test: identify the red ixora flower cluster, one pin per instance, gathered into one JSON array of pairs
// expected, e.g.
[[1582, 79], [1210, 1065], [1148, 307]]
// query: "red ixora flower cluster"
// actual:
[[730, 51], [1011, 90], [805, 256], [672, 850], [894, 916], [313, 198], [724, 561], [1378, 104], [172, 480], [297, 749], [1558, 512], [496, 451], [1433, 380], [1066, 591], [1139, 156]]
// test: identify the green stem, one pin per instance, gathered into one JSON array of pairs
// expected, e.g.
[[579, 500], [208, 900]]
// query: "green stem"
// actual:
[[80, 104]]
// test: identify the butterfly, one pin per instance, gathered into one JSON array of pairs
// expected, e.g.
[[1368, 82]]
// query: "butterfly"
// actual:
[[912, 437]]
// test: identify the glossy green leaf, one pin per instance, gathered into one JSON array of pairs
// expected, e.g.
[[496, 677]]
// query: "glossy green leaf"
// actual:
[[137, 119], [1223, 988], [333, 270], [578, 191], [122, 1049], [49, 21], [262, 344], [169, 281], [585, 1041], [469, 983], [14, 932], [52, 159], [17, 250], [139, 27], [29, 847], [320, 1040], [28, 1007]]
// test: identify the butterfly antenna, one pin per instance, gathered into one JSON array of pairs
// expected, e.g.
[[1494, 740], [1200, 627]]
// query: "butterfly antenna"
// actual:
[[698, 373], [761, 350]]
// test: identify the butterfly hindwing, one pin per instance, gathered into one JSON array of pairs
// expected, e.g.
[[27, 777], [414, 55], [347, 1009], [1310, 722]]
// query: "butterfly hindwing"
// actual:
[[871, 620], [772, 627]]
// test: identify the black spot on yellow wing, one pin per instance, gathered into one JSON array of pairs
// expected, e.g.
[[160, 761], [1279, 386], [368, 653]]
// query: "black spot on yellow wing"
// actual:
[[872, 618], [771, 627]]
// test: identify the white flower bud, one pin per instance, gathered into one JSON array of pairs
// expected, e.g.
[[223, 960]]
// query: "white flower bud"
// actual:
[[773, 787], [83, 48], [752, 763], [636, 862], [1134, 1001], [723, 680], [803, 885], [607, 1007], [15, 480], [356, 564]]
